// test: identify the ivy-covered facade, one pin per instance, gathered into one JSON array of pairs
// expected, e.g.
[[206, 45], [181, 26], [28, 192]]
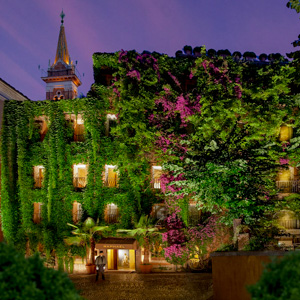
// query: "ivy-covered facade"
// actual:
[[156, 135]]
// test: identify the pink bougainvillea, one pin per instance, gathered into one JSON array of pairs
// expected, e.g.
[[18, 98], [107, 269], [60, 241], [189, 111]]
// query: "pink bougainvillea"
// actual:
[[284, 161]]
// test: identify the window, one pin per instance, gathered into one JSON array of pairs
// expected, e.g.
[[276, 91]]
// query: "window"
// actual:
[[110, 123], [76, 122], [77, 212], [111, 213], [41, 124], [194, 217], [80, 175], [156, 174], [111, 176], [286, 133], [159, 211], [287, 180], [79, 129], [37, 212], [38, 173]]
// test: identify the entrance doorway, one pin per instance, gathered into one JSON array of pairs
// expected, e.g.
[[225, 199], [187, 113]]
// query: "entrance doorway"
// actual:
[[121, 259]]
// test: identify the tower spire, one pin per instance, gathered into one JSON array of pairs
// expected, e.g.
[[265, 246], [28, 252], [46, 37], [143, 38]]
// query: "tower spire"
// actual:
[[62, 52], [61, 80]]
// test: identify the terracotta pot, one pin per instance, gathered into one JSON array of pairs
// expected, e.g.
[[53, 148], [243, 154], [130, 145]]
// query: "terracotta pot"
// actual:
[[90, 269], [146, 269]]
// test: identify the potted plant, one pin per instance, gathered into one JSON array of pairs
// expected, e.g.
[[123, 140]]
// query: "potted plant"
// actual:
[[85, 237], [143, 232]]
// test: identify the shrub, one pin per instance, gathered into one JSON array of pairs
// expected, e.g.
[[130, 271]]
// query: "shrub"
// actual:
[[28, 279], [279, 280]]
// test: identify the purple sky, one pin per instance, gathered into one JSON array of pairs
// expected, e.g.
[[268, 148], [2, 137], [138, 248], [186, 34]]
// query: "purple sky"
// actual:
[[29, 31]]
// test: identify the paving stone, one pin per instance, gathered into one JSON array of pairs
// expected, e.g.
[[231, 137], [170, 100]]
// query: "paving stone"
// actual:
[[162, 286]]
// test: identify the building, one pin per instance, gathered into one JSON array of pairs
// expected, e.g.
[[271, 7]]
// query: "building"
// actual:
[[102, 156], [7, 92]]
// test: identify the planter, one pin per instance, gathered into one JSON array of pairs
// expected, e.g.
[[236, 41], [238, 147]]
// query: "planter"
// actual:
[[90, 269], [146, 269], [234, 271]]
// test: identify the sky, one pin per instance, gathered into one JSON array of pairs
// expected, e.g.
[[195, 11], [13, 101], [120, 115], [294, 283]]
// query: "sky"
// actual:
[[29, 32]]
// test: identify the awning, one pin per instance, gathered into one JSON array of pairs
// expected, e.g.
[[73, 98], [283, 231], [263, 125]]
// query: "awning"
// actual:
[[117, 243]]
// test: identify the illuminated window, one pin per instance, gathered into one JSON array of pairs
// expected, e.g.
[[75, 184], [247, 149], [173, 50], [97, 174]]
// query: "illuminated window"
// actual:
[[79, 129], [80, 175], [77, 123], [77, 212], [111, 176], [37, 212], [156, 174], [38, 173], [286, 133], [58, 95], [111, 214], [110, 123], [287, 180]]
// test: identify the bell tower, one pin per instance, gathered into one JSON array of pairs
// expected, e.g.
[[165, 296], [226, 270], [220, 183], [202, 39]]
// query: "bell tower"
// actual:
[[62, 81]]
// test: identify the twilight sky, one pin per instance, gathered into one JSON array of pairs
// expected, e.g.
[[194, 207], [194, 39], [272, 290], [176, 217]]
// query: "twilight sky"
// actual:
[[29, 31]]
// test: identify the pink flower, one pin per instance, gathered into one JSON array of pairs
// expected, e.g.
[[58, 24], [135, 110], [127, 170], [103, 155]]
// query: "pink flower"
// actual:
[[133, 74], [284, 161]]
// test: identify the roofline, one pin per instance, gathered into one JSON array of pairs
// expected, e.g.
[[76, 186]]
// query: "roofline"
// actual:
[[14, 88]]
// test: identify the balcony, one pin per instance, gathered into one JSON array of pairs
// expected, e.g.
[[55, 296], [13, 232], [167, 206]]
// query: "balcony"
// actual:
[[79, 182], [289, 186], [155, 183], [111, 181], [112, 218], [38, 182], [290, 223]]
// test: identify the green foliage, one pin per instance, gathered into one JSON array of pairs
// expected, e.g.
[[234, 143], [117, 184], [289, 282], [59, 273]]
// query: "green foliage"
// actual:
[[22, 149], [85, 236], [279, 280], [28, 279]]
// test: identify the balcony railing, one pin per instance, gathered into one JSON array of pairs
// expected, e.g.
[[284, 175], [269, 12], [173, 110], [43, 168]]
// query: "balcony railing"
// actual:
[[79, 182], [112, 218], [155, 183], [289, 186], [38, 182], [111, 181], [290, 224]]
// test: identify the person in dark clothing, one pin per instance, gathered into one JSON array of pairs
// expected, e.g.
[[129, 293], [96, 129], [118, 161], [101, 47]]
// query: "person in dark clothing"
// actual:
[[100, 265]]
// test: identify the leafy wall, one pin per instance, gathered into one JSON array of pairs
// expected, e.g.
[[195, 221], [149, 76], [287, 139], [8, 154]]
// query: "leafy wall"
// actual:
[[193, 116]]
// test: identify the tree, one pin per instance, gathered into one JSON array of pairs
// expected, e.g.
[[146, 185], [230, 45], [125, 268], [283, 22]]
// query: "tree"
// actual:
[[85, 235], [28, 279], [279, 280], [143, 232]]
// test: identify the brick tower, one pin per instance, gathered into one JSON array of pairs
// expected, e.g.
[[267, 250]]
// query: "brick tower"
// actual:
[[62, 81]]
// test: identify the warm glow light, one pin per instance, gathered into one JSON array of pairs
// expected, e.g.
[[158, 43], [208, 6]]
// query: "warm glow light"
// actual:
[[286, 133]]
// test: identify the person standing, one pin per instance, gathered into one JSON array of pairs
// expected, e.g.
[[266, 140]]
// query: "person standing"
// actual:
[[100, 265]]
